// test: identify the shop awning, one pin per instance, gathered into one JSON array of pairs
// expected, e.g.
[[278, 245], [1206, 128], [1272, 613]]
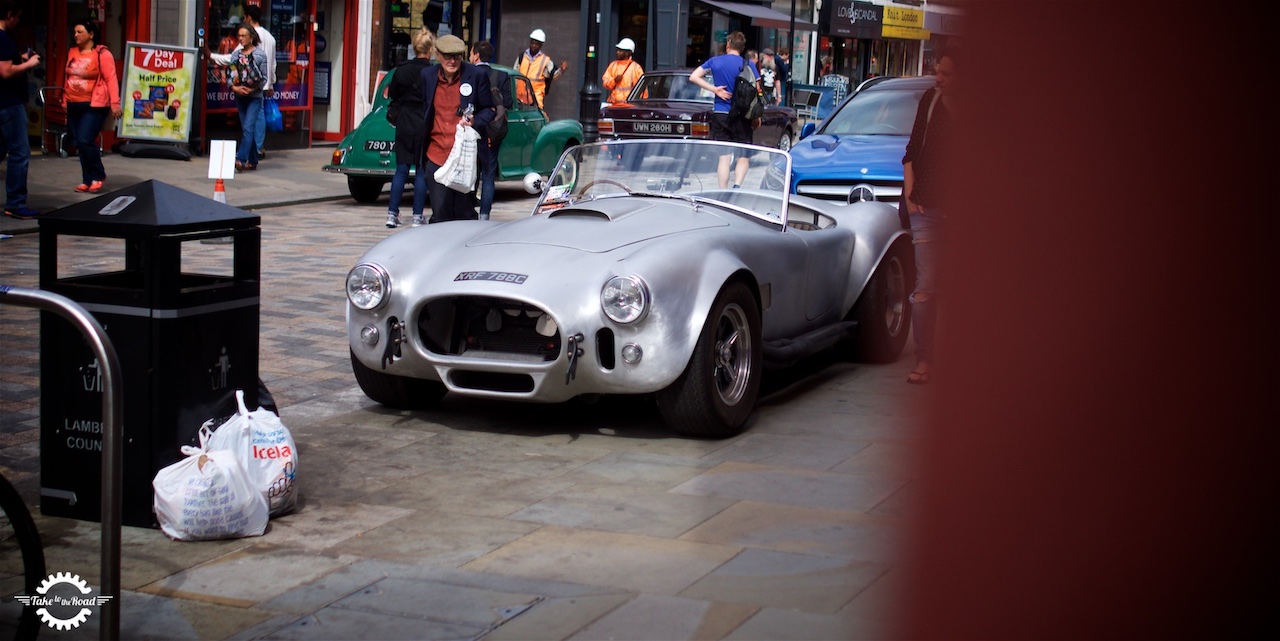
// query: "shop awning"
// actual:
[[762, 16]]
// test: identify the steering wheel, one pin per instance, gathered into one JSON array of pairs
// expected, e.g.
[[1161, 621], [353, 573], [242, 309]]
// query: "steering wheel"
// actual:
[[603, 181], [882, 128]]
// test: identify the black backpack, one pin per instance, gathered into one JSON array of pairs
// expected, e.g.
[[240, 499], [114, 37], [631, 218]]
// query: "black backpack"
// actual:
[[498, 126], [746, 101]]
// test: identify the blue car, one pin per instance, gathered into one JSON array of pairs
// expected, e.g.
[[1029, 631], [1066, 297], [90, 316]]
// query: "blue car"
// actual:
[[856, 153]]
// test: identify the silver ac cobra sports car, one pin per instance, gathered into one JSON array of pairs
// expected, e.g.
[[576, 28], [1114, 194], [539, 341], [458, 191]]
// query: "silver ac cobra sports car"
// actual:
[[665, 278]]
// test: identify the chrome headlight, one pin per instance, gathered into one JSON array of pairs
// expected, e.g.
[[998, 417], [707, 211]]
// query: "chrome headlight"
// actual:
[[625, 299], [367, 285]]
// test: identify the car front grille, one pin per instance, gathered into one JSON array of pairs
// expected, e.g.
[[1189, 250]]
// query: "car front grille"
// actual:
[[488, 328], [885, 191]]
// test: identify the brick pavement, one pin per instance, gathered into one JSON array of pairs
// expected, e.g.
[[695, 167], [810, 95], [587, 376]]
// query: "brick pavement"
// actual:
[[505, 521]]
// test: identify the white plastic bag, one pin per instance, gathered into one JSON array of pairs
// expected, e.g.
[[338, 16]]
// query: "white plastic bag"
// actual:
[[459, 170], [266, 449], [207, 496]]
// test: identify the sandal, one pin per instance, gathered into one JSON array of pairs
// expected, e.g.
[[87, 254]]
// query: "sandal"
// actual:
[[918, 378]]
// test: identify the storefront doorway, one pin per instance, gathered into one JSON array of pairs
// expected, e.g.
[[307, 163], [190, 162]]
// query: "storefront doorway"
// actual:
[[290, 22]]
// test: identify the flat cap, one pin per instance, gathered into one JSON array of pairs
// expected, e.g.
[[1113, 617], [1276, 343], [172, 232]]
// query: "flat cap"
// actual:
[[767, 51], [451, 44]]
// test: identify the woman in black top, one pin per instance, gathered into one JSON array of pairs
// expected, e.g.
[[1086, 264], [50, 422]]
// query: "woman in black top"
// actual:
[[410, 122]]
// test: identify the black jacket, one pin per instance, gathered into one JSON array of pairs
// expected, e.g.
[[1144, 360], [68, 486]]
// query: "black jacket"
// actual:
[[411, 127]]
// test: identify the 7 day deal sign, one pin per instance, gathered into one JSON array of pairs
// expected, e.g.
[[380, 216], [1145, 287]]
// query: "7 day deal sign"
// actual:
[[159, 83]]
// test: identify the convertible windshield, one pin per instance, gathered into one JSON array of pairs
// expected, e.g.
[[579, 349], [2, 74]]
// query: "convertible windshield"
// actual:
[[884, 112], [695, 170], [669, 87]]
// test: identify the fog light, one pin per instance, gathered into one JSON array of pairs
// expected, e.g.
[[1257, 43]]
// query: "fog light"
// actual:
[[631, 353], [369, 335]]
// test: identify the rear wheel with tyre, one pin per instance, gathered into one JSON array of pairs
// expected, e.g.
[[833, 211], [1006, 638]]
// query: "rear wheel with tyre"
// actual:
[[717, 391], [399, 392], [365, 190], [21, 557], [883, 311]]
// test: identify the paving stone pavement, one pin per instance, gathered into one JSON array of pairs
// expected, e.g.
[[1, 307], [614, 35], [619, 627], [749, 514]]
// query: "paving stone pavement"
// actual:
[[484, 520]]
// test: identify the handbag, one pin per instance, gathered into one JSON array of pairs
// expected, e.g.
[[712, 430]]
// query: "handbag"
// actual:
[[275, 119], [459, 170]]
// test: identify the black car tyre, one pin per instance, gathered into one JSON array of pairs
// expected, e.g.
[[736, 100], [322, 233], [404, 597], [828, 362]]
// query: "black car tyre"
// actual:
[[399, 392], [784, 141], [365, 190], [22, 550], [883, 311], [717, 391]]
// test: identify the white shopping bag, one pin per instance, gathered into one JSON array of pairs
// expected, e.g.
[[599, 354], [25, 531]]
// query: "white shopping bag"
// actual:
[[207, 496], [459, 170], [266, 449]]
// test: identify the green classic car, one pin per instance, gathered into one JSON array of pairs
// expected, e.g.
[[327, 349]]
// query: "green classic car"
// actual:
[[533, 144]]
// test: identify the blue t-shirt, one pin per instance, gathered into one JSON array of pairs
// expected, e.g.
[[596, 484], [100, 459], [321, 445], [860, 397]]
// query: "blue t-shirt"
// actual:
[[724, 68], [13, 91]]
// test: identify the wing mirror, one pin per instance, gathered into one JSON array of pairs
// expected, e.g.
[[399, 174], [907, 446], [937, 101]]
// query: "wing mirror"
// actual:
[[533, 183], [807, 130]]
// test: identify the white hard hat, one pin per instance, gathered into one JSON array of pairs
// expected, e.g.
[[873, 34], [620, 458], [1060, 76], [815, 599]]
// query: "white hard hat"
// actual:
[[538, 35], [628, 44]]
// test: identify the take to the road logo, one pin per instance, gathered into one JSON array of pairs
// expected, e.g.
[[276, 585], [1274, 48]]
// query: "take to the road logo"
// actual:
[[63, 608]]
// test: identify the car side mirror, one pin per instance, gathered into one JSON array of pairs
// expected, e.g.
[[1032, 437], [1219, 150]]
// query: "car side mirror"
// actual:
[[807, 130], [533, 183]]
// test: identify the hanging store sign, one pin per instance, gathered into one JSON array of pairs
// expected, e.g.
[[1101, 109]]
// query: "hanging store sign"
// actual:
[[159, 84], [849, 19], [904, 23]]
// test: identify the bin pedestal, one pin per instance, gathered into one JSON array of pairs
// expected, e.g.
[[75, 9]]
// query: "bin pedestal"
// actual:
[[185, 329]]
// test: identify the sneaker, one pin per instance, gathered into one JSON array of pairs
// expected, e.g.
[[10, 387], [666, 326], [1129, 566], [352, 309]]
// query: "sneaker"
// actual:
[[22, 213], [95, 186], [419, 220], [393, 220], [82, 187], [262, 154]]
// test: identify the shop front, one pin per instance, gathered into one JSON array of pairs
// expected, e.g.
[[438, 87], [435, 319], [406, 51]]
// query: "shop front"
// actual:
[[292, 23], [861, 40]]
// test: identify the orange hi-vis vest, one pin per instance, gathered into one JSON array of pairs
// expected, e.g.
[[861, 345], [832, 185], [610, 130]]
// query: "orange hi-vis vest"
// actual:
[[630, 73], [536, 69]]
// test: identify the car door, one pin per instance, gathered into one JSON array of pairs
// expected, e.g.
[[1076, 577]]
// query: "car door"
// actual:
[[524, 121]]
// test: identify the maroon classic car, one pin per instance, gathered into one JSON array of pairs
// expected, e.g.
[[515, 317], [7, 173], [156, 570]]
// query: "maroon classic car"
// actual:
[[664, 104]]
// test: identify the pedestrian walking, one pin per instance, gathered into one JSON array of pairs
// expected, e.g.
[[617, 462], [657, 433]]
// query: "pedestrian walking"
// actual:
[[723, 69], [405, 113], [452, 92], [621, 76], [500, 87], [783, 64], [537, 66], [924, 170], [253, 17], [90, 92], [769, 76], [248, 66], [13, 112]]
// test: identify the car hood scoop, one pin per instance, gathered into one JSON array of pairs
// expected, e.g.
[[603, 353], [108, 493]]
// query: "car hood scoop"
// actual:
[[602, 225]]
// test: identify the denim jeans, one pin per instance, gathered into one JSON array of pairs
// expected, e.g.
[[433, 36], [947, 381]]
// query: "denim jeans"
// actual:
[[398, 182], [260, 136], [926, 238], [84, 123], [249, 107], [488, 173], [13, 131]]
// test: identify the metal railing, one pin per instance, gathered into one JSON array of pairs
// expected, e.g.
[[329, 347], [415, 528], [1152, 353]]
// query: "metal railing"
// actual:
[[112, 427]]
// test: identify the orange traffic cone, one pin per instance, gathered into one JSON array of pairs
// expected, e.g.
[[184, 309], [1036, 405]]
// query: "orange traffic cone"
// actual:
[[219, 191]]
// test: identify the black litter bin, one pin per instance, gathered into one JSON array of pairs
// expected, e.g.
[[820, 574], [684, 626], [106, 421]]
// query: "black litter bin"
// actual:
[[182, 313]]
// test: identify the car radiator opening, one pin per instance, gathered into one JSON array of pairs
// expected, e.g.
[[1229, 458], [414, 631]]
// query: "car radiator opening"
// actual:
[[489, 328]]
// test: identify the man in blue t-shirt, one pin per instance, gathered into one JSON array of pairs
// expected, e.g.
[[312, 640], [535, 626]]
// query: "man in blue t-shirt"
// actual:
[[13, 112], [723, 69]]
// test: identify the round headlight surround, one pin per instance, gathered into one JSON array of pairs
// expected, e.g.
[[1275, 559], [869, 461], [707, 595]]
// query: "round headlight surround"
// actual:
[[368, 286], [625, 299]]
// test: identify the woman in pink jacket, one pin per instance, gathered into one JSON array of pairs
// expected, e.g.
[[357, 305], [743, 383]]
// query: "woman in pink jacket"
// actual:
[[90, 91]]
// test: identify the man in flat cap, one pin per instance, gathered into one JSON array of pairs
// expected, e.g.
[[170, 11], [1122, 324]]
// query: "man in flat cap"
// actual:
[[448, 89]]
